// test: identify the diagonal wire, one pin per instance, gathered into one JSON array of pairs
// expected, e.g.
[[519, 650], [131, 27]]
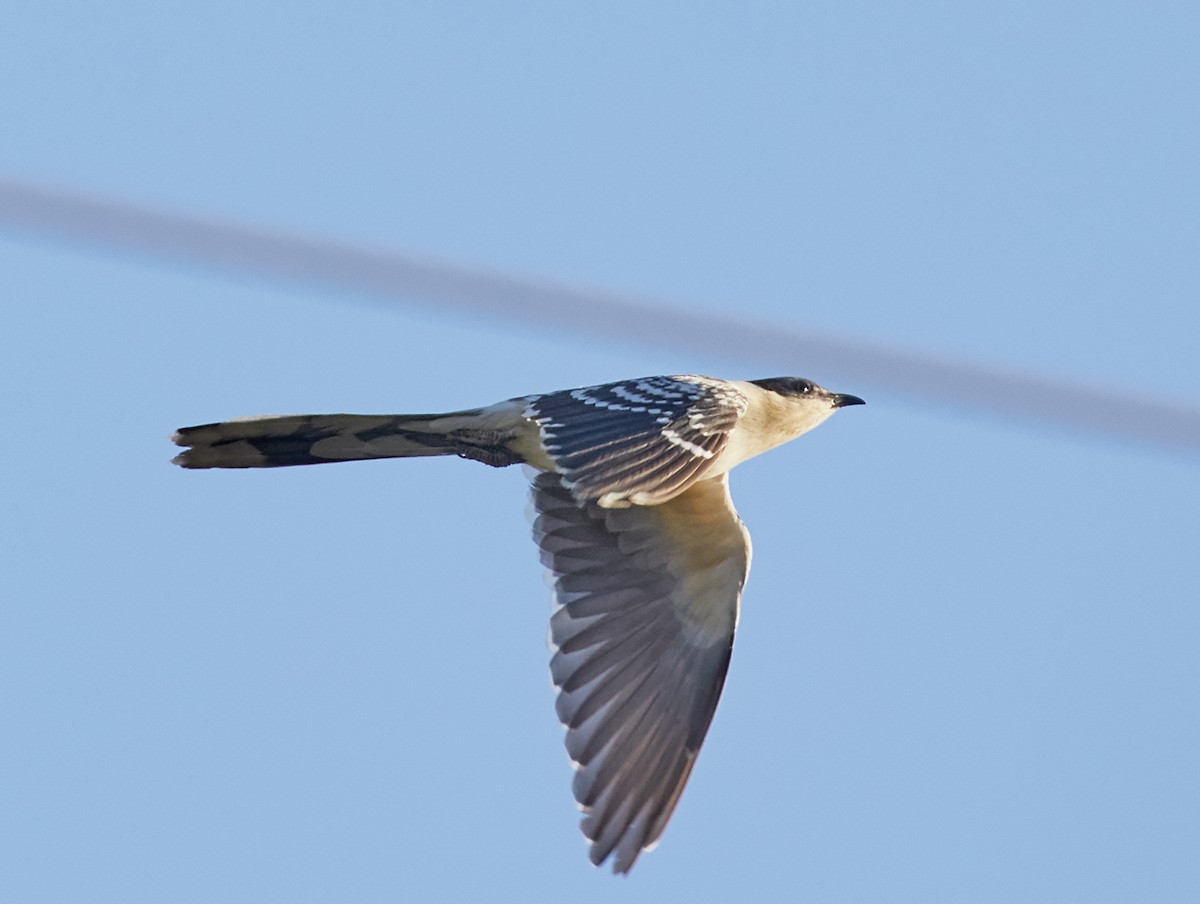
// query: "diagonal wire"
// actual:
[[595, 313]]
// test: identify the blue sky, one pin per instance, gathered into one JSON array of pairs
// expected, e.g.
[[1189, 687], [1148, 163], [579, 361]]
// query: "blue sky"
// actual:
[[966, 667]]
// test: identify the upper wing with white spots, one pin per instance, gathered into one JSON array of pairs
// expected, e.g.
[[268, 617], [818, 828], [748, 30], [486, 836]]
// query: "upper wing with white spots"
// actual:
[[641, 441], [646, 606]]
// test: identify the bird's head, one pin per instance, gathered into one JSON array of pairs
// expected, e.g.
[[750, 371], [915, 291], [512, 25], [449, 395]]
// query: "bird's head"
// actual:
[[802, 403]]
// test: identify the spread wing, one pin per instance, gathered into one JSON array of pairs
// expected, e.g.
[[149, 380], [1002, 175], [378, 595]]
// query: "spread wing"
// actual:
[[646, 602], [640, 441]]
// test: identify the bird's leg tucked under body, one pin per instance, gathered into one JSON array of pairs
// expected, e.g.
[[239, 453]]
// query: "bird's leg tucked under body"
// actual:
[[487, 446]]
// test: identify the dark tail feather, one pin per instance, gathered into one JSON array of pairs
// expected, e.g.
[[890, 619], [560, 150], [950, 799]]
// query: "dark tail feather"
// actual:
[[275, 442]]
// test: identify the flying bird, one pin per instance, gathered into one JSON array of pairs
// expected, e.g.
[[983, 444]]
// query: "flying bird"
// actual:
[[637, 529]]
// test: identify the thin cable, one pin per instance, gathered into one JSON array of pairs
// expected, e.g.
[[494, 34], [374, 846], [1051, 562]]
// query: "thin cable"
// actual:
[[594, 313]]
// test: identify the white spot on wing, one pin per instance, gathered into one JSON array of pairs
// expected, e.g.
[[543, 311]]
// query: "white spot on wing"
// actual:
[[676, 439]]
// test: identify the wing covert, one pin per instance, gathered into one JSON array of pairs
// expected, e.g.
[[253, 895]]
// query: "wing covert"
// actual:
[[641, 441]]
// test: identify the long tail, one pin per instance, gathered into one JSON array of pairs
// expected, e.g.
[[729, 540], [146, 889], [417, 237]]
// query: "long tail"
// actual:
[[309, 439]]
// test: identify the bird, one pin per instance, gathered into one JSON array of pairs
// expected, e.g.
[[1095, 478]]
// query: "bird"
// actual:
[[636, 529]]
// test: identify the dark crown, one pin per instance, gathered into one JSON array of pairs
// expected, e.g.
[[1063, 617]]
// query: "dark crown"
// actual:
[[789, 386]]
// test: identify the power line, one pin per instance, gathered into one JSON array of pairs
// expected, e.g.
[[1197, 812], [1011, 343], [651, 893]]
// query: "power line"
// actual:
[[130, 226]]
